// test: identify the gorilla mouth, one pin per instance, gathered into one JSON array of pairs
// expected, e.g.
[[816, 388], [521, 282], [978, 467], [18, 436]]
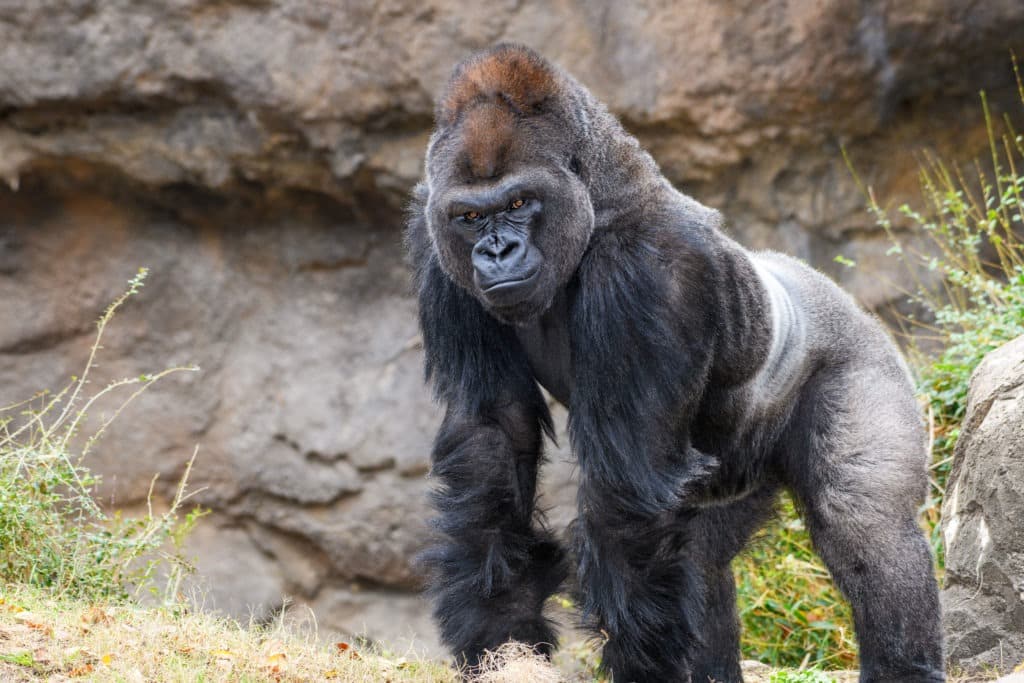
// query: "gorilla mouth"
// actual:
[[513, 291]]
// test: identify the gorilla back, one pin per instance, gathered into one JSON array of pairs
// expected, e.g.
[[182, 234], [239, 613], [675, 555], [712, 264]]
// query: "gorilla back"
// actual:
[[700, 380]]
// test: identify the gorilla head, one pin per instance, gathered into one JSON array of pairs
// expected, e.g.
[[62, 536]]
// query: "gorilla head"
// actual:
[[509, 212]]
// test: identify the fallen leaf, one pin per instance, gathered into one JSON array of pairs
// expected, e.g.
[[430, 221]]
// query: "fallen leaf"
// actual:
[[32, 621], [97, 615], [83, 670], [346, 649], [10, 606]]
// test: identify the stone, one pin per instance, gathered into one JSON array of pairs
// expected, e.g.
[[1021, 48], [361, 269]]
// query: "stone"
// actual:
[[257, 157], [983, 596], [233, 575]]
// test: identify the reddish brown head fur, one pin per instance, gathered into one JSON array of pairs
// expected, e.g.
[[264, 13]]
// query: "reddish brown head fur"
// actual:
[[512, 74], [487, 132], [488, 93]]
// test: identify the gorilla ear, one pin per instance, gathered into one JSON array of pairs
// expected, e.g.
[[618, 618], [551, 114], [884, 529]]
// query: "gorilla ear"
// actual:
[[513, 75]]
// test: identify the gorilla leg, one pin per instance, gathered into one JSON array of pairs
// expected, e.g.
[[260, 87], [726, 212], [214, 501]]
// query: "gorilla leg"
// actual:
[[642, 589], [885, 570], [721, 532], [859, 480], [717, 657]]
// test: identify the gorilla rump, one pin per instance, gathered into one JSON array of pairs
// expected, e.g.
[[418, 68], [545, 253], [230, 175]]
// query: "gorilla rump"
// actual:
[[700, 380]]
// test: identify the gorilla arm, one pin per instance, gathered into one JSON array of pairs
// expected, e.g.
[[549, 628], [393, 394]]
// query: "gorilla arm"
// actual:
[[643, 344], [492, 566]]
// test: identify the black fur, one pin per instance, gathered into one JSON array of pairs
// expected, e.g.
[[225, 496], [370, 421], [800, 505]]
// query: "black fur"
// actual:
[[700, 379]]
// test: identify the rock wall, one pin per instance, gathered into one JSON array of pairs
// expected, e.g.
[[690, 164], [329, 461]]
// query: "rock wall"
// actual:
[[256, 155], [983, 596]]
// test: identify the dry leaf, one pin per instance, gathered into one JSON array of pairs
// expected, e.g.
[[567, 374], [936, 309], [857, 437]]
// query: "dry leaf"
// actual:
[[83, 670], [97, 615], [32, 621], [346, 649], [10, 606], [275, 663]]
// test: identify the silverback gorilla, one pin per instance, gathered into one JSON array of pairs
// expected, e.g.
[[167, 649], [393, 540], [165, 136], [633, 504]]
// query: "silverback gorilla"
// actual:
[[700, 380]]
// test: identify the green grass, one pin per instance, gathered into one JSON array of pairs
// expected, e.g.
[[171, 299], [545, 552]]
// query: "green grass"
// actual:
[[791, 613], [800, 676]]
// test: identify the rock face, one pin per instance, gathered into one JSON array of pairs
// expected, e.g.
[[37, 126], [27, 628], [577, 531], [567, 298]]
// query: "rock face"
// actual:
[[983, 520], [256, 156]]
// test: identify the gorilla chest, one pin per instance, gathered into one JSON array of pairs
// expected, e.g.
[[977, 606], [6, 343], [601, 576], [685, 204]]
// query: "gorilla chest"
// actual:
[[546, 343]]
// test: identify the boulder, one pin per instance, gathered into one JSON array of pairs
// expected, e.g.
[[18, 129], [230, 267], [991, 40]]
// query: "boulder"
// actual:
[[983, 520]]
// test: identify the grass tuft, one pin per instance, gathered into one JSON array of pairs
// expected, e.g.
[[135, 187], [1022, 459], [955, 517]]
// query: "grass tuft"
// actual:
[[53, 532]]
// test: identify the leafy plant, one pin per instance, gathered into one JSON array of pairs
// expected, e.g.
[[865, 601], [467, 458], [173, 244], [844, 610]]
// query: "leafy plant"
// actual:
[[52, 531]]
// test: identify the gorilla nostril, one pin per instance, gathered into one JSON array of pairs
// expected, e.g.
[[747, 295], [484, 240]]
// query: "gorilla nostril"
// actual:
[[509, 249], [497, 250]]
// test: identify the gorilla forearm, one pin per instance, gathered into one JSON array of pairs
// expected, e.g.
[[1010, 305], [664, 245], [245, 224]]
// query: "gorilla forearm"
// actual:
[[493, 567], [641, 367]]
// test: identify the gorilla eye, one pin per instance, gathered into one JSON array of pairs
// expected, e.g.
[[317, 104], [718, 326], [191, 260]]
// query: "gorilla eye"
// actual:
[[471, 216], [517, 204]]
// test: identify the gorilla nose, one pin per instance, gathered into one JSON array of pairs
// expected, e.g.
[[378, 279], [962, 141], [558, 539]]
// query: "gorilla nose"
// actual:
[[498, 251], [503, 263]]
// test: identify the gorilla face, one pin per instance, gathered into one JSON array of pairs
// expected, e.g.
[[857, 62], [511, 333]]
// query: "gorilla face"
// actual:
[[508, 211], [515, 239]]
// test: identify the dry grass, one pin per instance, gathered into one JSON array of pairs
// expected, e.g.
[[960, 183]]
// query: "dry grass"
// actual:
[[43, 638], [46, 638], [516, 662]]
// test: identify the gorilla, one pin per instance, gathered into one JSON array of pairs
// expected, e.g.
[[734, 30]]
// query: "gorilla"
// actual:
[[700, 378]]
